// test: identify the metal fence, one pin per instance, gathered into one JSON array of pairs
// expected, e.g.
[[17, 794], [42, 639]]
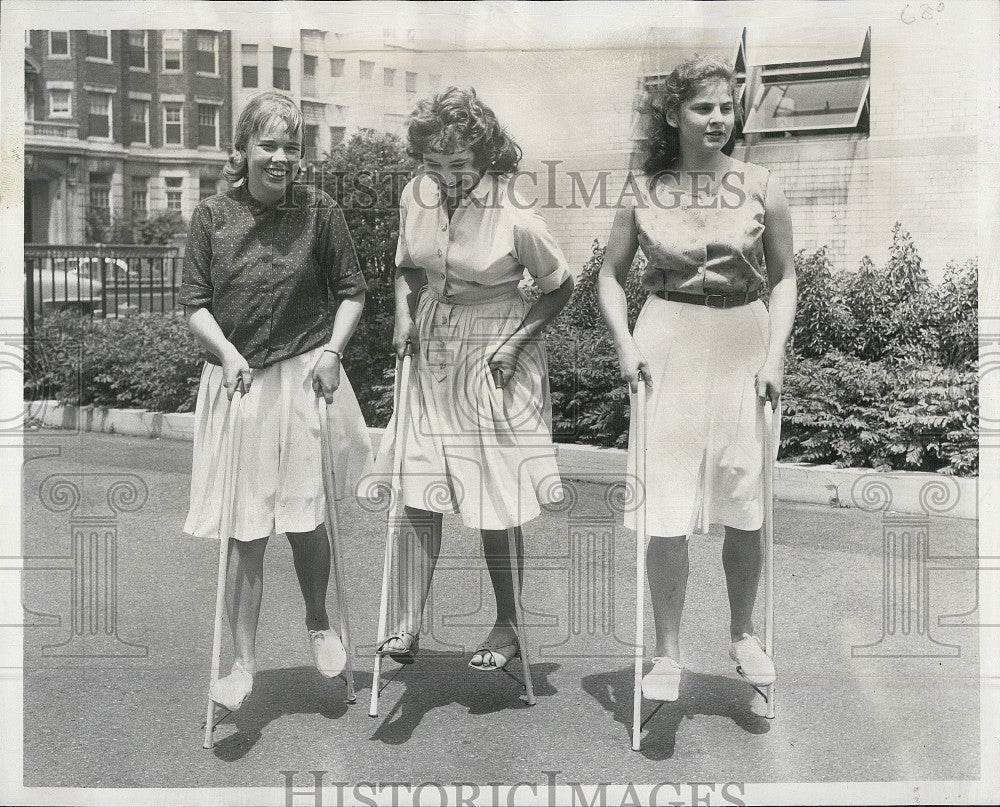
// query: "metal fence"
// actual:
[[99, 280]]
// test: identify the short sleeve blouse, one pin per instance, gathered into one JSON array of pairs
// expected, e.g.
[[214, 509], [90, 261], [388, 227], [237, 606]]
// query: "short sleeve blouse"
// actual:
[[493, 236], [270, 275]]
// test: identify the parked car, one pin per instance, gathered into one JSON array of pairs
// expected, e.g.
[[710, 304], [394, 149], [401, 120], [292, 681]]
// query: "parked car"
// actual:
[[73, 283]]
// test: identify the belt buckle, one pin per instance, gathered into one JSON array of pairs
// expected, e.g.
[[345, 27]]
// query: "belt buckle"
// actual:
[[720, 297]]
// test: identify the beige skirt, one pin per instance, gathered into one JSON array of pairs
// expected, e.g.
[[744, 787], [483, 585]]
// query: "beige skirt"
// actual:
[[279, 483], [469, 448], [704, 429]]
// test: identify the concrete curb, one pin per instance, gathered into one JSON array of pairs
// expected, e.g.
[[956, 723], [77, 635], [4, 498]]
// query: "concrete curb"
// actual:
[[919, 494]]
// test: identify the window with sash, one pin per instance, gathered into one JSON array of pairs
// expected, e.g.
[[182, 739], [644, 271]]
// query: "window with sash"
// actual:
[[815, 84], [59, 44], [60, 103], [99, 192], [175, 192], [99, 115], [173, 124], [208, 52], [173, 50], [99, 45], [140, 195], [208, 125], [282, 75], [138, 121], [249, 56], [138, 48]]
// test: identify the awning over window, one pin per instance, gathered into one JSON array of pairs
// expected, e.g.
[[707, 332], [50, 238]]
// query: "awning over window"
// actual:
[[783, 44]]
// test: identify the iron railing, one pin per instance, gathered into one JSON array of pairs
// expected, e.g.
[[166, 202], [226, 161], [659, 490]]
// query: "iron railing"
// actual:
[[99, 280]]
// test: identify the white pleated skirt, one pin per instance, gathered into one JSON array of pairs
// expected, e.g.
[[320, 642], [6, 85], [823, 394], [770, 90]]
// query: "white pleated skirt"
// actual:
[[705, 431], [468, 448], [278, 483]]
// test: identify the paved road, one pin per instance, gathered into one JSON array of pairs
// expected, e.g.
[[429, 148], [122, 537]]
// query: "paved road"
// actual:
[[126, 712]]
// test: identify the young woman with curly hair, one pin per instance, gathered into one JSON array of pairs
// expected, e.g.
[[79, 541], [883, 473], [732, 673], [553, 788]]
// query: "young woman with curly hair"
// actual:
[[470, 447], [713, 229]]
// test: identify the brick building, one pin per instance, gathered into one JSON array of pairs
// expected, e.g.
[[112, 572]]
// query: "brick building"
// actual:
[[128, 121]]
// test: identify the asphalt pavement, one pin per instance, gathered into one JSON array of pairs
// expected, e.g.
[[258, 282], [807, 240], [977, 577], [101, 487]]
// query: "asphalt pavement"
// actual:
[[118, 602]]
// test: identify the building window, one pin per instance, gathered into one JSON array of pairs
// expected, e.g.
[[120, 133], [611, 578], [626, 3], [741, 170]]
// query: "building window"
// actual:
[[99, 117], [137, 49], [311, 141], [336, 68], [99, 45], [208, 52], [337, 134], [99, 194], [140, 195], [826, 96], [208, 125], [29, 99], [411, 81], [434, 80], [60, 103], [367, 71], [206, 187], [173, 124], [175, 191], [59, 44], [249, 57], [282, 78], [309, 75], [173, 47], [388, 76], [138, 121]]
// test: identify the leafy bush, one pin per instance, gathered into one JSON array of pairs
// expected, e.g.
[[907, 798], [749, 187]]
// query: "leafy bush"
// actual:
[[582, 309], [141, 361], [589, 401], [823, 320], [853, 412]]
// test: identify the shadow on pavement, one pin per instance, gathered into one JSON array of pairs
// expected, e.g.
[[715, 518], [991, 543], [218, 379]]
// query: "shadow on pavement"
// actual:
[[701, 694], [276, 693], [437, 680]]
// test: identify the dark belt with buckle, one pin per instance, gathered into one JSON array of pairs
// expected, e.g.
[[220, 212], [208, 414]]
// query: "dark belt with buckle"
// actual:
[[711, 300]]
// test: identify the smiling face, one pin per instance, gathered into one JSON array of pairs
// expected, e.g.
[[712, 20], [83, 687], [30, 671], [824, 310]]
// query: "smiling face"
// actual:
[[272, 162], [455, 173], [705, 121]]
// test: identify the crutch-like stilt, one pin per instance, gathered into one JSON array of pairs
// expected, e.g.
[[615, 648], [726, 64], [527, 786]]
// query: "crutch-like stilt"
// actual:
[[515, 575], [522, 637], [333, 534], [638, 412], [395, 494], [233, 429], [767, 536]]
